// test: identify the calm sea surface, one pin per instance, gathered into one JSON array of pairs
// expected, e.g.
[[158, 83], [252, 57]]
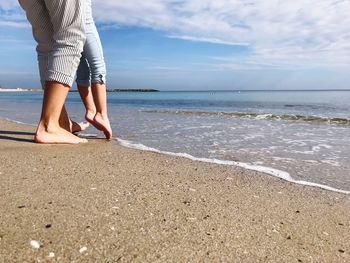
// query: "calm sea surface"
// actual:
[[304, 133]]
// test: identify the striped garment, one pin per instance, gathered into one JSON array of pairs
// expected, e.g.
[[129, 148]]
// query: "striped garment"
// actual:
[[58, 28]]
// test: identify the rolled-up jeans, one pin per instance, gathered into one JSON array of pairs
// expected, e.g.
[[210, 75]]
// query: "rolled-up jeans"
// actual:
[[92, 67], [58, 28]]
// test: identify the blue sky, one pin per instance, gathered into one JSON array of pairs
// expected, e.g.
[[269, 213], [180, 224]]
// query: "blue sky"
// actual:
[[202, 44]]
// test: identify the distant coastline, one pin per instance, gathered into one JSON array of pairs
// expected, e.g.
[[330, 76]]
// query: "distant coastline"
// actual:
[[127, 90], [19, 90], [212, 91], [132, 90], [108, 90]]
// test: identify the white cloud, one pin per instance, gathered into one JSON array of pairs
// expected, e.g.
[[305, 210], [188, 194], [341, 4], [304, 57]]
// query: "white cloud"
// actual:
[[14, 24], [8, 4], [279, 33], [11, 15], [282, 33], [209, 40]]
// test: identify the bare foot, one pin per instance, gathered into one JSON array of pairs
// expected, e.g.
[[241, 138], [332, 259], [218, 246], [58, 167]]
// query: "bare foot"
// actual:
[[77, 127], [103, 123], [55, 135], [89, 116]]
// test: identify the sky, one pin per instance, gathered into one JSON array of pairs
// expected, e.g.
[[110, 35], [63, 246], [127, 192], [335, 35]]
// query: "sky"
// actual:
[[202, 44]]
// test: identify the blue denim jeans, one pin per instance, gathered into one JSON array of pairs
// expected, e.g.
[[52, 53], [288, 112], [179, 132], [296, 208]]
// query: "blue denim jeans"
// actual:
[[92, 67]]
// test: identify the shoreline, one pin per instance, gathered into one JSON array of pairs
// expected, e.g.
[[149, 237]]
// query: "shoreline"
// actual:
[[266, 170], [20, 90], [112, 202]]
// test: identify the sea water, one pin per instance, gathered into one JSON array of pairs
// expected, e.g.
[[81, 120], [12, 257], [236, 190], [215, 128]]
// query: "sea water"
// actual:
[[301, 136]]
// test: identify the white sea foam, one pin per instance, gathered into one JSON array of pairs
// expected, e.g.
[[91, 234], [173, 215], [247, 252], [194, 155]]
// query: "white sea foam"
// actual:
[[253, 136], [317, 148], [88, 135], [18, 122], [311, 161], [331, 162], [303, 152], [282, 159], [299, 143], [263, 116], [267, 170]]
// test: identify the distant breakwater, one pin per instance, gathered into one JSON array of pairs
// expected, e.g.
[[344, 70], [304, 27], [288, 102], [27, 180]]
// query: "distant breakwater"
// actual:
[[126, 90]]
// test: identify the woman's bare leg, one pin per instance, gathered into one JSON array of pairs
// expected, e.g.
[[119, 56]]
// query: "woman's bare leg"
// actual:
[[58, 28], [64, 120], [69, 125], [78, 126], [49, 130], [101, 116], [88, 100]]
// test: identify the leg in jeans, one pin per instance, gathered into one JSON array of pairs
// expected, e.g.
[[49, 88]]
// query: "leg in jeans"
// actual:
[[101, 118], [84, 83], [92, 69], [88, 97], [59, 31]]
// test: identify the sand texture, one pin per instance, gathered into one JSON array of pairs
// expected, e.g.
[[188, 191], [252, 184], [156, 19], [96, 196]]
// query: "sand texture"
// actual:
[[101, 202]]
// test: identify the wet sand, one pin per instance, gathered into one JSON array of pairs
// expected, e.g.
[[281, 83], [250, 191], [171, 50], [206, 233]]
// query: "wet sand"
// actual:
[[101, 202]]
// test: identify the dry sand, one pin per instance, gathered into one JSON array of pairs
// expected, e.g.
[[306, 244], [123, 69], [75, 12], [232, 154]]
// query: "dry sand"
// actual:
[[101, 202]]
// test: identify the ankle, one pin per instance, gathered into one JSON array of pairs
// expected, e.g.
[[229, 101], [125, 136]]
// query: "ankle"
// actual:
[[102, 114], [47, 126], [91, 110]]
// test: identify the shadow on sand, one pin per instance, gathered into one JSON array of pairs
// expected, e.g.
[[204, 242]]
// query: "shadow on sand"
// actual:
[[11, 136]]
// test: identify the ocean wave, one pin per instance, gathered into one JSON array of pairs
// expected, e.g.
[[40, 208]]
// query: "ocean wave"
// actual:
[[258, 168], [261, 116], [17, 122]]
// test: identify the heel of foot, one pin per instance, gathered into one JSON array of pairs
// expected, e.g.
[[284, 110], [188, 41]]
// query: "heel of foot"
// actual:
[[104, 123]]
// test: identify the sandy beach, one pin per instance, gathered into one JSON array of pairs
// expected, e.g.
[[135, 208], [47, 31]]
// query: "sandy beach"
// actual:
[[101, 202]]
